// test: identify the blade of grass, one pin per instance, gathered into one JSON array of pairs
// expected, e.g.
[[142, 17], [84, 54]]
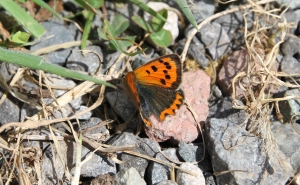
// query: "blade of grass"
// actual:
[[36, 62], [187, 12], [23, 18], [87, 29], [147, 9]]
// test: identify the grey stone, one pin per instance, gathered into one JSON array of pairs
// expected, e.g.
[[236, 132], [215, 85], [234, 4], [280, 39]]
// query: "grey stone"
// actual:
[[89, 63], [90, 129], [167, 182], [157, 172], [290, 46], [96, 165], [290, 65], [183, 178], [196, 51], [215, 39], [291, 4], [231, 24], [9, 110], [202, 9], [287, 139], [143, 146], [53, 168], [290, 107], [292, 16], [192, 153], [233, 148], [129, 177], [84, 116], [122, 105], [60, 34]]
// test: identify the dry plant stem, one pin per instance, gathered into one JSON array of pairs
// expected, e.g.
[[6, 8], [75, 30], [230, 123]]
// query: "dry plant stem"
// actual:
[[75, 179], [159, 161], [193, 33]]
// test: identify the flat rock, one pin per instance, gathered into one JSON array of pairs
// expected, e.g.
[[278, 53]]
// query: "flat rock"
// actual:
[[143, 146], [233, 148], [183, 178], [129, 177], [182, 126]]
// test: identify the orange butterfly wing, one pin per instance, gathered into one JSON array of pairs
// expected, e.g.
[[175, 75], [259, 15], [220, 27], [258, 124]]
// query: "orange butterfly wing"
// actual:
[[165, 72], [153, 87]]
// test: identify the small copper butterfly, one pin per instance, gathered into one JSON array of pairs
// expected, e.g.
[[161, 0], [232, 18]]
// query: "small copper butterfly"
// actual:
[[154, 87]]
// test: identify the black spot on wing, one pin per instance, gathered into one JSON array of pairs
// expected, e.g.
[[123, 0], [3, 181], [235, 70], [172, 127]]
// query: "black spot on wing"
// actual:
[[168, 77], [162, 81], [147, 71], [154, 68]]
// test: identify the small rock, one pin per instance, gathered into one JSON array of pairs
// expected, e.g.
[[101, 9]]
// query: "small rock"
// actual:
[[157, 172], [129, 177], [105, 179], [231, 23], [202, 9], [290, 65], [233, 148], [191, 153], [286, 133], [52, 168], [290, 107], [143, 146], [182, 126], [172, 20], [122, 105], [60, 34], [215, 39], [288, 3], [89, 63], [195, 52], [84, 116], [292, 16], [183, 178], [9, 111], [167, 182], [290, 46], [90, 129]]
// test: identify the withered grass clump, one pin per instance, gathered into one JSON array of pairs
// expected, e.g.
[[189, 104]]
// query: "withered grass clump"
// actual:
[[261, 76]]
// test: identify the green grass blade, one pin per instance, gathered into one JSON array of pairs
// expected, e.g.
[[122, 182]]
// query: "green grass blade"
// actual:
[[87, 29], [142, 23], [47, 7], [147, 9], [157, 24], [187, 12], [36, 62], [23, 18]]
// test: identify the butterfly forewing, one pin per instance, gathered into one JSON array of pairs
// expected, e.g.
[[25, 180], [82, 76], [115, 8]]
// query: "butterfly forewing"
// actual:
[[163, 72]]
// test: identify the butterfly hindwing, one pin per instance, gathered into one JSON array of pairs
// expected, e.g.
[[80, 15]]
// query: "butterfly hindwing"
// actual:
[[159, 101]]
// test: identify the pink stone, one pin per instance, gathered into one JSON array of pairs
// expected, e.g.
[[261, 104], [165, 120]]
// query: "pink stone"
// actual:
[[182, 126]]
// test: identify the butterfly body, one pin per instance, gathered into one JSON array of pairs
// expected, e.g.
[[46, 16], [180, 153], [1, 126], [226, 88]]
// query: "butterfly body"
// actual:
[[153, 87]]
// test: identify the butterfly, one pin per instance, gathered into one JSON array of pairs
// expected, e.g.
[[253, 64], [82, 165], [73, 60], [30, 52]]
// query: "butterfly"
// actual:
[[154, 87]]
